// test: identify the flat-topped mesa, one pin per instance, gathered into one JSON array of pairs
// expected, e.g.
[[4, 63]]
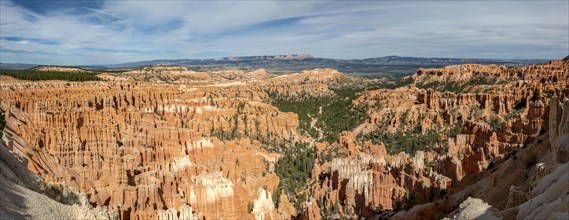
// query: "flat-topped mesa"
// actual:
[[461, 74], [293, 57], [8, 83], [313, 83], [326, 75], [465, 68], [58, 69], [552, 77], [233, 75], [165, 69], [170, 74]]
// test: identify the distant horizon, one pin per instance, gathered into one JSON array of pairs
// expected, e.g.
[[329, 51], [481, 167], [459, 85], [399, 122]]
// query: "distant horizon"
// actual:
[[56, 32], [316, 57]]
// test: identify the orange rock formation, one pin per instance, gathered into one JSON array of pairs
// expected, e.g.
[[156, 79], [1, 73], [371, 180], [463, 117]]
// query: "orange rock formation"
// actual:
[[166, 142]]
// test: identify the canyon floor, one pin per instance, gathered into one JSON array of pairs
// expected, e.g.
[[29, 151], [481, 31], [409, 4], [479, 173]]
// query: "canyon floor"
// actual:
[[464, 141]]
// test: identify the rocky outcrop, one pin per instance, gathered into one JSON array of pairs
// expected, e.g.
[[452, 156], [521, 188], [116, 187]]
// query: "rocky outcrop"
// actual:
[[495, 122], [286, 208], [311, 211], [526, 183], [311, 83], [516, 197], [25, 195], [263, 205], [473, 208], [558, 128], [549, 197], [182, 213], [463, 74], [372, 181], [552, 76], [165, 74]]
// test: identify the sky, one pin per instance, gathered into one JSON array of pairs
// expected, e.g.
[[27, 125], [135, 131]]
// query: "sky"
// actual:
[[67, 32]]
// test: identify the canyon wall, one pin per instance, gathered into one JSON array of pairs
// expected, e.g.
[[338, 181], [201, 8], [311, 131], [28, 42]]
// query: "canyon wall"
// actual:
[[494, 123], [170, 143], [147, 150]]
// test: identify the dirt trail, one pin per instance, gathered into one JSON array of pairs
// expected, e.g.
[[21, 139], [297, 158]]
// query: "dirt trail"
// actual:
[[313, 122]]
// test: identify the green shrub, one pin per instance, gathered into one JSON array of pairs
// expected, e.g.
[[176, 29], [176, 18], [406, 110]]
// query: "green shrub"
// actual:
[[391, 84], [455, 87], [294, 169], [455, 130], [35, 75], [337, 113], [412, 140], [495, 125]]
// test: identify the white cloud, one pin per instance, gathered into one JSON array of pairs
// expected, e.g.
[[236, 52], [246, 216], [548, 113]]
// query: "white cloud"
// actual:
[[122, 31]]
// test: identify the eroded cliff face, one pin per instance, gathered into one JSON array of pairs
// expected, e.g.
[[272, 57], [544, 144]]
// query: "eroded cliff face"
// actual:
[[461, 74], [525, 184], [472, 133], [371, 181], [25, 195], [500, 78], [147, 150]]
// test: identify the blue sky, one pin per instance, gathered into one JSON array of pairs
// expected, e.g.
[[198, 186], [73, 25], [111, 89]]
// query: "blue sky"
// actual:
[[104, 32]]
